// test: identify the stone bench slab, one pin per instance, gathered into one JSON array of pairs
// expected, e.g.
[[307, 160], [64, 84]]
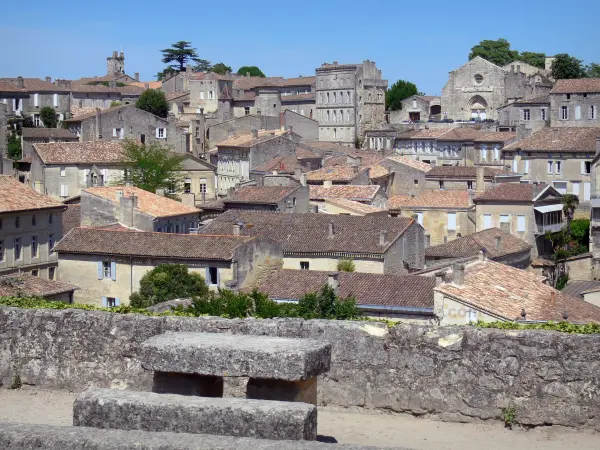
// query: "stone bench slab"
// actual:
[[17, 436], [147, 411], [221, 354]]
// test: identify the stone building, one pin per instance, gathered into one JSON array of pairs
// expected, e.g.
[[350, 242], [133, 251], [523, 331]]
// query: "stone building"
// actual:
[[419, 108], [371, 195], [467, 177], [27, 285], [533, 114], [284, 199], [350, 98], [137, 209], [445, 215], [478, 88], [6, 164], [558, 156], [575, 103], [408, 175], [30, 225], [107, 265], [525, 210], [347, 174], [30, 136], [318, 241], [30, 95], [487, 149]]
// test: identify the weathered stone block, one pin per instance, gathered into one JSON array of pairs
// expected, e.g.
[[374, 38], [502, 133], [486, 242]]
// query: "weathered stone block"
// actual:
[[231, 355], [17, 436], [282, 390], [133, 410]]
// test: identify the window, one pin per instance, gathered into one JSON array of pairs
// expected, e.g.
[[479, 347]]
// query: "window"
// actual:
[[504, 218], [246, 110], [487, 221], [520, 224], [478, 78], [203, 186], [304, 265], [334, 98], [419, 218], [441, 183], [33, 220], [568, 96], [550, 166], [557, 166], [36, 100], [592, 112], [161, 133], [577, 112], [469, 185], [335, 132], [202, 95], [177, 228], [35, 273], [586, 167], [50, 242], [575, 187], [2, 250], [564, 113], [64, 190], [119, 132], [451, 221], [211, 95], [17, 248], [526, 166], [416, 183], [51, 273], [111, 302], [106, 269], [17, 222], [526, 114], [212, 275], [515, 166], [496, 153], [543, 114], [63, 171], [34, 246], [55, 100], [36, 120]]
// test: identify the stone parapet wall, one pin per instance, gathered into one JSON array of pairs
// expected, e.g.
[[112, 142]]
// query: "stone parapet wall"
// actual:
[[451, 373]]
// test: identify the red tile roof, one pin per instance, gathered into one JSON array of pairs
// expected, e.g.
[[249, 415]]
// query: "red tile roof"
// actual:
[[266, 195], [71, 218], [463, 173], [25, 285], [423, 167], [89, 152], [565, 140], [349, 191], [354, 206], [336, 173], [36, 85], [56, 133], [512, 192], [248, 140], [496, 137], [16, 196], [577, 86], [451, 199]]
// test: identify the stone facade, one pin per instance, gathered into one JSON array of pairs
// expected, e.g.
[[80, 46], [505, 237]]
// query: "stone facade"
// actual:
[[5, 163], [350, 98], [575, 110], [437, 223], [460, 374], [115, 64], [533, 114], [418, 108]]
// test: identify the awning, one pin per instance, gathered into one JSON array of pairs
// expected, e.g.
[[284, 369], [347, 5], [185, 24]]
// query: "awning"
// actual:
[[548, 208]]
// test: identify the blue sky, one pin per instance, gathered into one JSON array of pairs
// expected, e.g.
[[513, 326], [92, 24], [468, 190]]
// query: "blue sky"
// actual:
[[416, 41]]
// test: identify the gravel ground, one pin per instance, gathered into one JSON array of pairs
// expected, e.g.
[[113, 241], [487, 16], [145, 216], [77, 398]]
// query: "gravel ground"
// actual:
[[385, 430]]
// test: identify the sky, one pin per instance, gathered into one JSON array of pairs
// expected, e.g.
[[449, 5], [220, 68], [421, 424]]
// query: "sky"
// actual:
[[418, 41]]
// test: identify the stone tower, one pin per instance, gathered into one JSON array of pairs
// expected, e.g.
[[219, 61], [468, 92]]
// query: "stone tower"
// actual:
[[115, 64]]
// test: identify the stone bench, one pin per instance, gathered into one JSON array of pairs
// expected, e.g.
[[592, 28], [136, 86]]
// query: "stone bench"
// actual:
[[147, 411], [195, 363], [18, 436]]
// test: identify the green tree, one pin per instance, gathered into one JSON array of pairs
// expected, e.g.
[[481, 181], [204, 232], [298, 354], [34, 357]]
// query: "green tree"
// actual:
[[221, 68], [153, 166], [179, 55], [533, 58], [168, 282], [399, 91], [48, 117], [346, 265], [13, 146], [154, 102], [114, 103], [497, 52], [202, 65], [570, 203], [252, 70], [325, 304], [593, 70], [565, 66], [165, 74]]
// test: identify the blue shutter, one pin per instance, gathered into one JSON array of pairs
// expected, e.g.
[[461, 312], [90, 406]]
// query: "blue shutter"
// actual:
[[207, 277], [113, 271], [104, 302], [218, 277], [100, 274], [117, 302]]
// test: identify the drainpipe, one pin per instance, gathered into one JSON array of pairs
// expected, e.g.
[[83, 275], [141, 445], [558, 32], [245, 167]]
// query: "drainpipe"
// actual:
[[130, 275]]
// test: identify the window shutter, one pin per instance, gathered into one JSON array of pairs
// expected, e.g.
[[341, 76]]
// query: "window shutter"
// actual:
[[113, 271], [582, 167], [451, 221], [122, 135], [104, 302], [515, 167], [521, 223], [157, 133], [55, 100], [165, 133], [526, 170], [117, 301], [36, 99], [100, 274], [207, 276], [218, 277], [114, 132], [66, 190]]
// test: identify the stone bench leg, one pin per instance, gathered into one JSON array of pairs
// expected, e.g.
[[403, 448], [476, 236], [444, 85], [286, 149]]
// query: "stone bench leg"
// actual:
[[282, 390], [187, 384]]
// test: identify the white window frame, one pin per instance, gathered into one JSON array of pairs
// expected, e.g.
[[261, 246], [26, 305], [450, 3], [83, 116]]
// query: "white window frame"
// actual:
[[521, 224], [55, 100], [557, 167], [17, 249], [106, 270], [35, 248], [526, 166], [550, 167], [526, 115], [504, 218], [64, 190], [419, 217], [161, 133], [563, 113], [543, 114]]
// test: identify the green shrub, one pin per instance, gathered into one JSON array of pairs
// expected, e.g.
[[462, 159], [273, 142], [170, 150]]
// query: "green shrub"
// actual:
[[48, 117], [346, 265], [154, 102]]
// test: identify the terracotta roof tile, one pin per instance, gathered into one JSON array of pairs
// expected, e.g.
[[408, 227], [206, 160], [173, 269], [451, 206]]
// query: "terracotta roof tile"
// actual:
[[298, 97], [175, 95], [36, 85], [397, 201], [496, 137], [24, 285], [309, 232], [462, 172], [266, 195], [57, 133], [248, 140], [336, 173], [434, 199], [377, 171], [542, 99], [16, 196], [284, 164], [302, 153], [6, 86], [245, 97], [90, 152], [71, 218], [423, 167], [391, 290], [149, 244], [515, 192], [577, 288], [505, 291], [359, 193], [354, 206], [495, 242], [565, 140], [147, 202], [151, 84], [576, 86]]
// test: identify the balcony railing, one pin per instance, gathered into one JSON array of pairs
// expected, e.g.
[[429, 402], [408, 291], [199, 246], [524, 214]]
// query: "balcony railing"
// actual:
[[550, 227]]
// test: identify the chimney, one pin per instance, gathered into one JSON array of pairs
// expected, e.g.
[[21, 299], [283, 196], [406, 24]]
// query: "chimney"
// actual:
[[333, 282], [458, 274], [439, 278], [480, 180], [247, 74], [230, 132], [237, 229], [136, 76], [146, 86], [303, 179], [498, 242], [112, 84], [327, 183], [98, 124], [275, 172], [297, 172], [427, 240], [331, 230], [48, 79], [281, 121], [254, 133], [119, 194], [20, 83], [383, 237]]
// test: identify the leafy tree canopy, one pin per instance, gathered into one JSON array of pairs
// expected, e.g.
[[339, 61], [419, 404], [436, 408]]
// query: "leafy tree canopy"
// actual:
[[565, 66], [399, 91], [168, 282], [48, 117], [179, 55], [533, 58], [593, 70], [346, 265], [153, 166], [13, 146], [497, 52], [252, 70], [154, 102], [221, 68]]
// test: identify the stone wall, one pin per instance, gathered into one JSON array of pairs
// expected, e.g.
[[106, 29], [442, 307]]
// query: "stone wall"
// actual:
[[451, 373]]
